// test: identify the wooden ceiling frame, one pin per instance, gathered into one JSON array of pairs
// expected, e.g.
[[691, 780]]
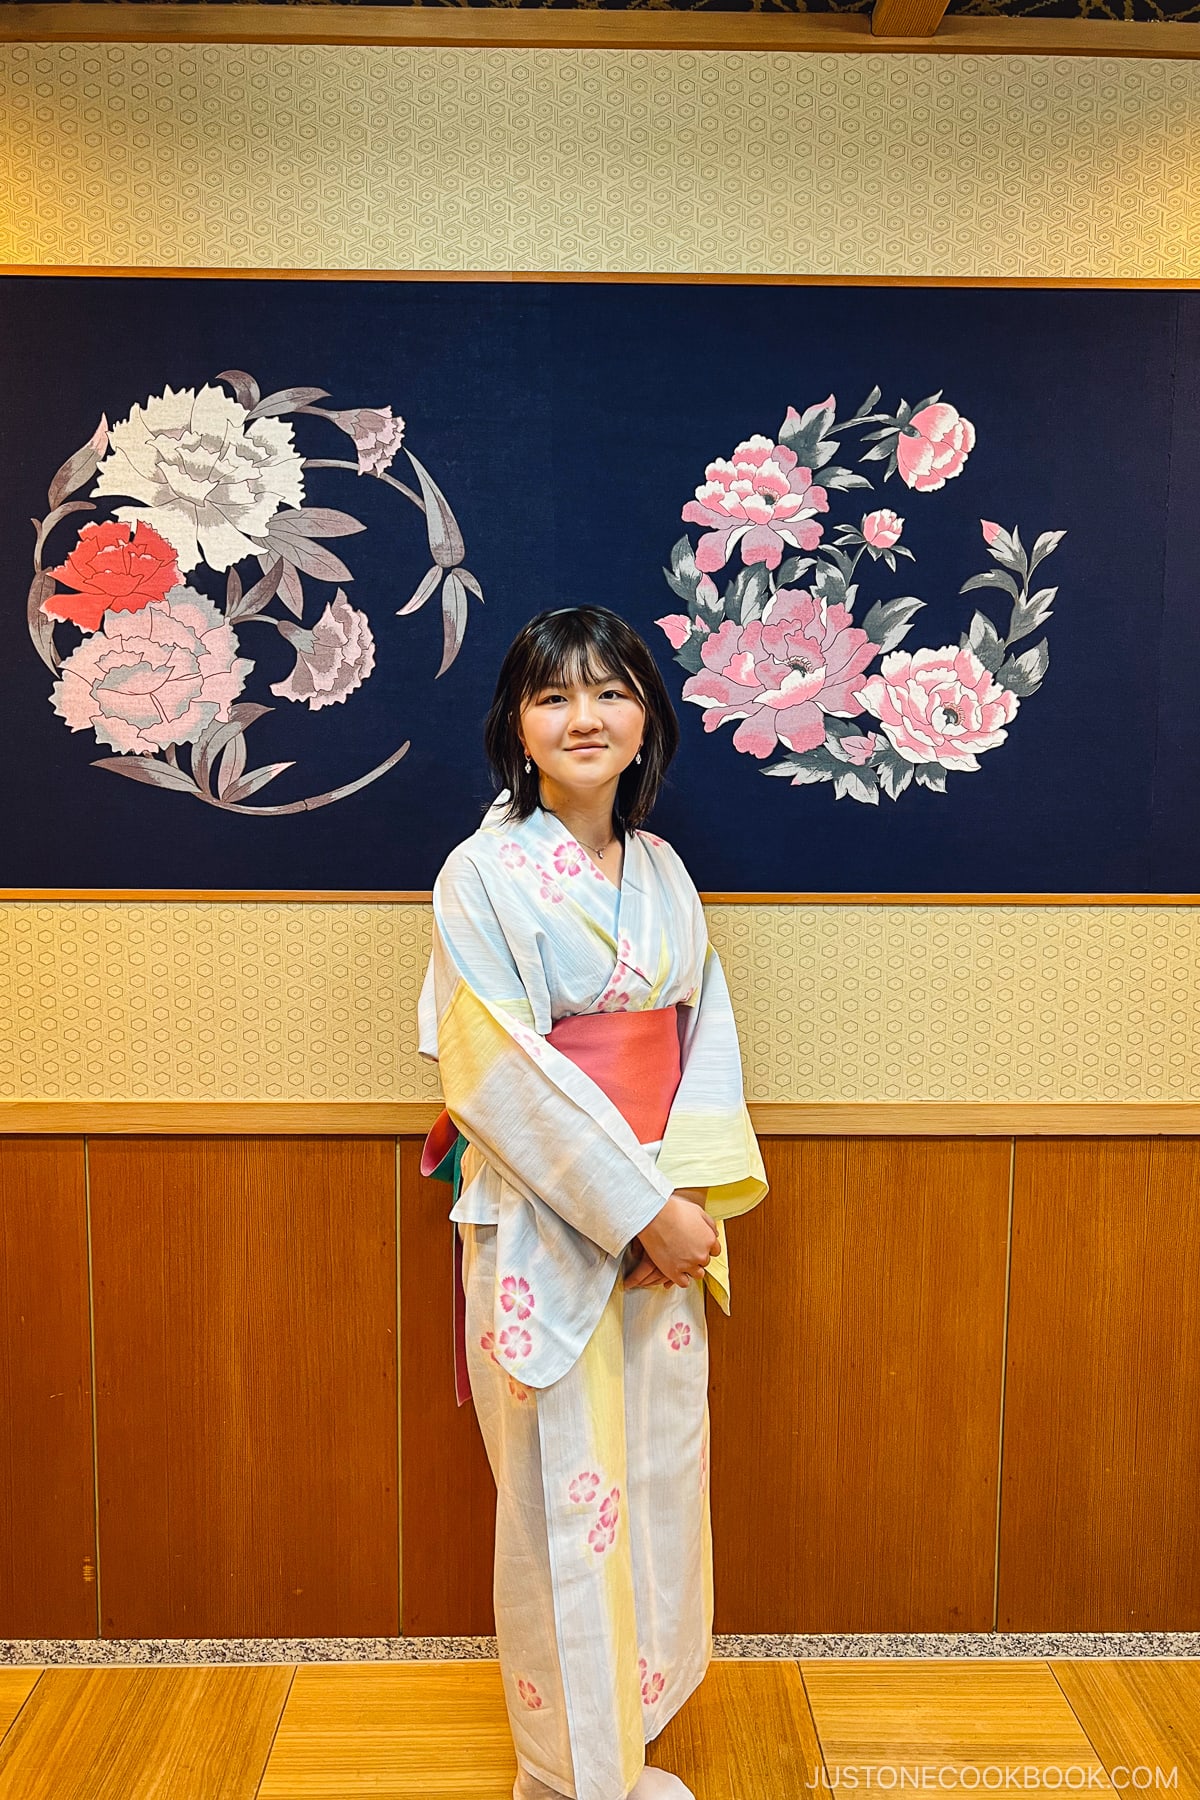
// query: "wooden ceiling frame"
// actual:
[[895, 26]]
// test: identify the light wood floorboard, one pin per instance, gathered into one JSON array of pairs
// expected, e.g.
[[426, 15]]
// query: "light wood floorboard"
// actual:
[[746, 1734], [974, 1714], [16, 1685], [143, 1734], [755, 1730], [1140, 1713], [395, 1731], [435, 1731]]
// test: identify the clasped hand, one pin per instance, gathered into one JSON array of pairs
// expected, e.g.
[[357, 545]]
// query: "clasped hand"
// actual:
[[679, 1242]]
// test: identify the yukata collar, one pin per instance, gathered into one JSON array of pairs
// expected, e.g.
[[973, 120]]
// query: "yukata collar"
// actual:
[[636, 944]]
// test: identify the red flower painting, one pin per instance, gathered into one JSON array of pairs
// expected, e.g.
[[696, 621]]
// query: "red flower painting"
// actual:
[[114, 567]]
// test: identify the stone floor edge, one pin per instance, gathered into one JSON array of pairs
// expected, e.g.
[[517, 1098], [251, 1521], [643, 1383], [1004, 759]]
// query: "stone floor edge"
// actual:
[[166, 1652]]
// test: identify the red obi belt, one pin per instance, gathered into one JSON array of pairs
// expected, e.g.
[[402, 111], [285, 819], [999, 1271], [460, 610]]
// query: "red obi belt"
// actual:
[[633, 1057]]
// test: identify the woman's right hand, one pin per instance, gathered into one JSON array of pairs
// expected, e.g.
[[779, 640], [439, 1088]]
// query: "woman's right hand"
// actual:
[[680, 1240]]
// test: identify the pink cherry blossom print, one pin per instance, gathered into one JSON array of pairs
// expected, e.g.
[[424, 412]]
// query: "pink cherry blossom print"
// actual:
[[933, 447], [782, 673], [603, 1533], [515, 1292], [652, 1684], [487, 1344], [517, 1390], [515, 1342], [512, 856], [530, 1041], [549, 889], [584, 1487], [761, 500], [939, 706], [680, 1335], [651, 839], [569, 858], [529, 1694]]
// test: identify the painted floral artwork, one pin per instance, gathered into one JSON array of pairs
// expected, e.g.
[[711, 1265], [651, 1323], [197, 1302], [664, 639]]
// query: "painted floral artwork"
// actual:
[[219, 531], [779, 642]]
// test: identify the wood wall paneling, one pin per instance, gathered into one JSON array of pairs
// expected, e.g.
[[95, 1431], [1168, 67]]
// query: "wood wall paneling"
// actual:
[[245, 1331], [1101, 1483], [856, 1390], [47, 1505], [449, 1496]]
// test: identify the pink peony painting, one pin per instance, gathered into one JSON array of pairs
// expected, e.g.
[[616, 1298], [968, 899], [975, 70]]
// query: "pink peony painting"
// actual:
[[797, 658], [220, 487]]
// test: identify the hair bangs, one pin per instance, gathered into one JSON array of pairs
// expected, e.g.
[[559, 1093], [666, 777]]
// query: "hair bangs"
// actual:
[[567, 651]]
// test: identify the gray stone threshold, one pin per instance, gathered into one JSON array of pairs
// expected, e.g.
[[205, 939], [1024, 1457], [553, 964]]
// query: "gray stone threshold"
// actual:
[[172, 1652]]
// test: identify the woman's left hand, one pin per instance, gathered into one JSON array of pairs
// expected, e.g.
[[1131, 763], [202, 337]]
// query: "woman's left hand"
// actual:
[[645, 1273]]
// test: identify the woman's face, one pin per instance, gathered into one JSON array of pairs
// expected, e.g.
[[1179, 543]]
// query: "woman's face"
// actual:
[[582, 735]]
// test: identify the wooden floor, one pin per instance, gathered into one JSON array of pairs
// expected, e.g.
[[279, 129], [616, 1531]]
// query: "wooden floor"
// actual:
[[767, 1730]]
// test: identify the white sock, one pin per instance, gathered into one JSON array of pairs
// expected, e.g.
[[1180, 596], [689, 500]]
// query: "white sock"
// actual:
[[657, 1784]]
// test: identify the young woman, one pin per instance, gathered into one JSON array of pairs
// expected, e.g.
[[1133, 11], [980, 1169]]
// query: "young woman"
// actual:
[[590, 1069]]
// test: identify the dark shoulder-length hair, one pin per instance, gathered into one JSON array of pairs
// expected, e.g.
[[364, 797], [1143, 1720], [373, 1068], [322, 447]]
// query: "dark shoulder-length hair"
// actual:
[[569, 644]]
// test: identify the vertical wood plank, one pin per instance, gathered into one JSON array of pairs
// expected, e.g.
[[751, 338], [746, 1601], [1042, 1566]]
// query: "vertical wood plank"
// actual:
[[856, 1390], [1101, 1486], [47, 1507], [245, 1317], [449, 1504]]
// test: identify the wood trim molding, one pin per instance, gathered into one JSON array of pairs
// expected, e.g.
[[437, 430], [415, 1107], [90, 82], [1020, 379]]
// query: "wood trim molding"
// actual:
[[705, 277], [422, 897], [818, 1118], [504, 28]]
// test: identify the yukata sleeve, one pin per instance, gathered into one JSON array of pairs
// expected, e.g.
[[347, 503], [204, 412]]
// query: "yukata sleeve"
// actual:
[[709, 1140], [545, 1126]]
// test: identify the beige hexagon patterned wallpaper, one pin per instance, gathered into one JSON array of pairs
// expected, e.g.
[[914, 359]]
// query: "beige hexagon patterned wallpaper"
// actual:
[[368, 158], [157, 1001], [365, 157]]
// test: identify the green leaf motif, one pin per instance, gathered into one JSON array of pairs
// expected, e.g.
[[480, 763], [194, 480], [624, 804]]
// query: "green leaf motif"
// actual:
[[857, 784], [843, 478], [1023, 675], [894, 773], [688, 655], [888, 622], [792, 568], [983, 640], [683, 576], [1045, 546], [931, 776], [1028, 615], [992, 578]]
